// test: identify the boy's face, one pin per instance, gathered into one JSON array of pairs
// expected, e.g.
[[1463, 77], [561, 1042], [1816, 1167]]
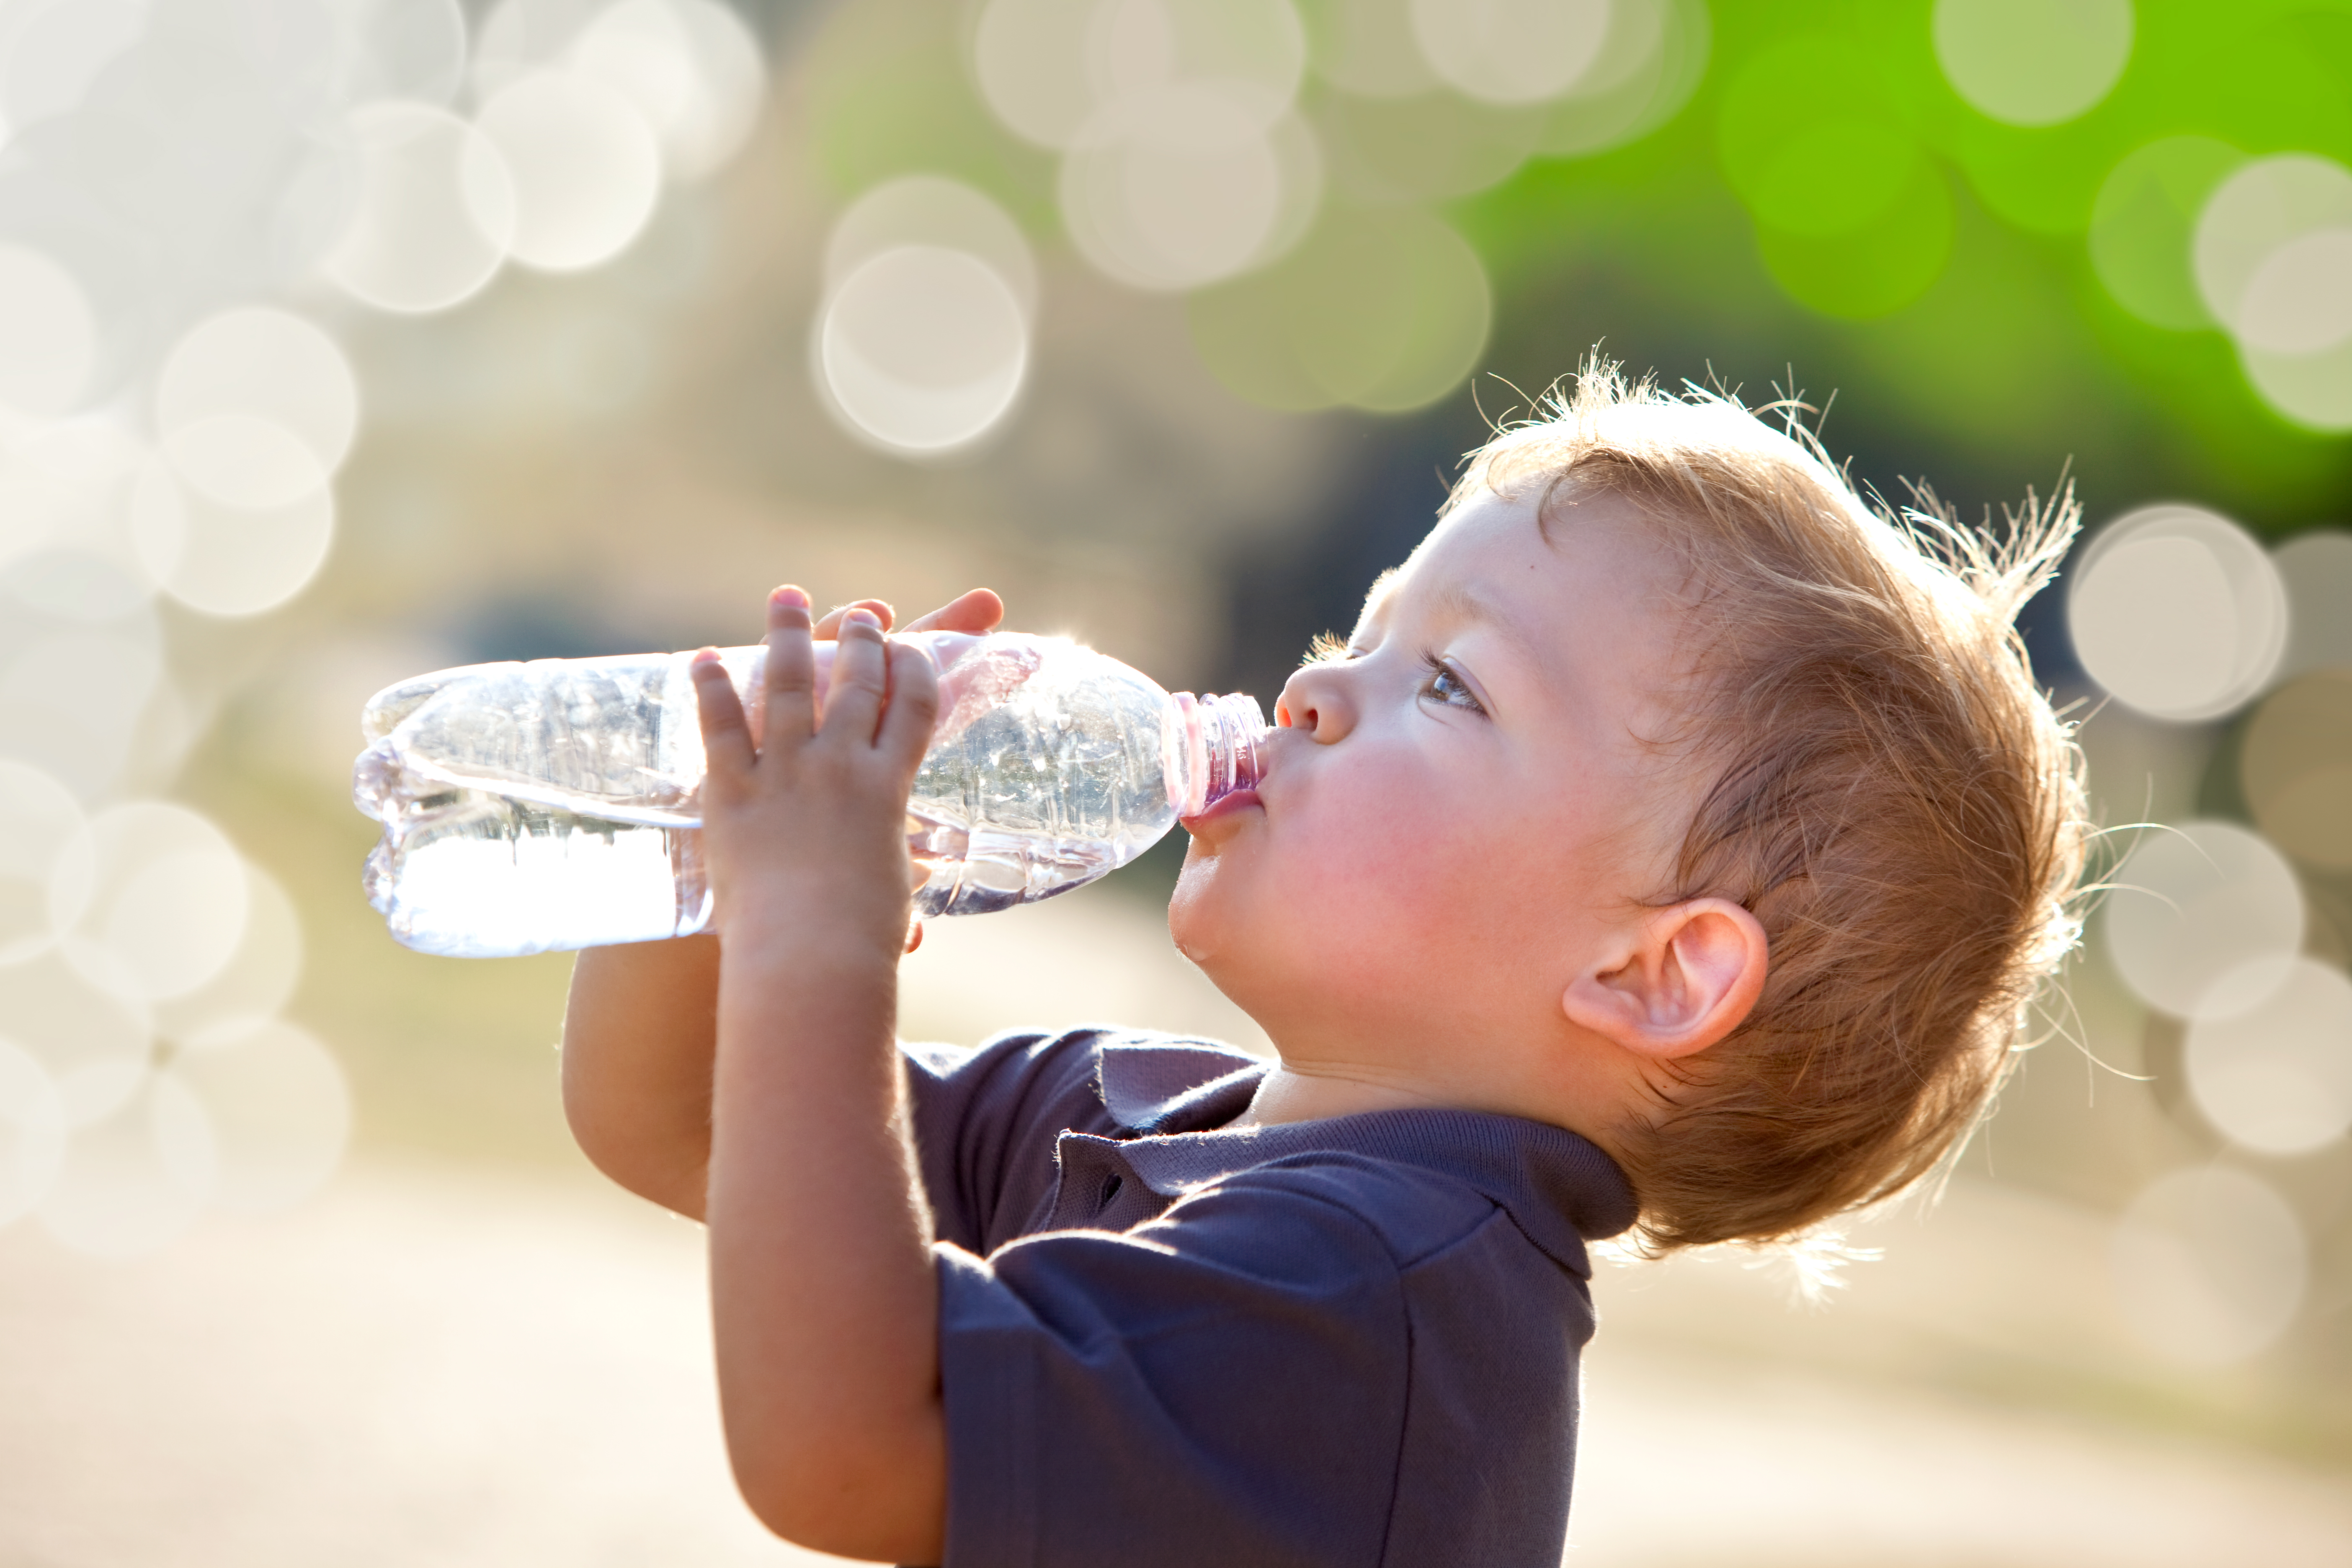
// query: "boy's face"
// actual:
[[1457, 814]]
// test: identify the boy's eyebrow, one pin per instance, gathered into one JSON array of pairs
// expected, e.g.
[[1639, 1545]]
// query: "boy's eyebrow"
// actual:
[[1459, 601]]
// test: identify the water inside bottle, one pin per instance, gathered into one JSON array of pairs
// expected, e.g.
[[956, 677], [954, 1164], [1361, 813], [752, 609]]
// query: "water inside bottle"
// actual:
[[468, 874]]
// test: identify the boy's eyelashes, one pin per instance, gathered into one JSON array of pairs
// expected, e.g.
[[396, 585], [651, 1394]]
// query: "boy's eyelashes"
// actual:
[[1442, 684]]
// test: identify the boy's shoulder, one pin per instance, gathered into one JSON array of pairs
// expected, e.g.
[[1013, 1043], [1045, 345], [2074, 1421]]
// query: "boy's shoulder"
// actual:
[[1142, 1118]]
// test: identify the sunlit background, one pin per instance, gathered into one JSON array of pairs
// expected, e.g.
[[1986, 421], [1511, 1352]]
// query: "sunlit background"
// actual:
[[342, 339]]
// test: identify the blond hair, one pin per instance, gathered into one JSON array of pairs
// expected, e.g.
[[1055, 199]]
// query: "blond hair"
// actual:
[[1880, 781]]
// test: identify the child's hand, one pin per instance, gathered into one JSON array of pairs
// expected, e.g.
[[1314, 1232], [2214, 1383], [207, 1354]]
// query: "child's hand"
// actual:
[[807, 834], [975, 611]]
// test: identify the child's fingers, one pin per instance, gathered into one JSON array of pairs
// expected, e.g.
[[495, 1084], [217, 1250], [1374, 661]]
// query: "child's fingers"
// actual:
[[791, 694], [853, 699], [975, 611], [828, 626], [726, 735], [906, 723]]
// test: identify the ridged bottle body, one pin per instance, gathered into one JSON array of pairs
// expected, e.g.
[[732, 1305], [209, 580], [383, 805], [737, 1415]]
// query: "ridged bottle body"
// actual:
[[556, 803]]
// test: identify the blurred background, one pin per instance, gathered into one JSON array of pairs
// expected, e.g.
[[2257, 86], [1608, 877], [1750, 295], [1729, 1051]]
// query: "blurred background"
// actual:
[[343, 340]]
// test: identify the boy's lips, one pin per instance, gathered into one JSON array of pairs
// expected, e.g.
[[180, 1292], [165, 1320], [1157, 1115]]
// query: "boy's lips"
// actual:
[[1239, 800]]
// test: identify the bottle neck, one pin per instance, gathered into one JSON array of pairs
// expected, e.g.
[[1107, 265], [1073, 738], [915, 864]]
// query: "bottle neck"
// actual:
[[1210, 749]]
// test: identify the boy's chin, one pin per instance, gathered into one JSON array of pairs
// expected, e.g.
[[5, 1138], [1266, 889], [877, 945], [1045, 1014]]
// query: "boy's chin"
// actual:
[[1197, 911]]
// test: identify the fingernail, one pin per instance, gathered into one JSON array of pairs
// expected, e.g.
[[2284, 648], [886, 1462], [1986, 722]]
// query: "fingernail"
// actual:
[[704, 657], [796, 597], [862, 618]]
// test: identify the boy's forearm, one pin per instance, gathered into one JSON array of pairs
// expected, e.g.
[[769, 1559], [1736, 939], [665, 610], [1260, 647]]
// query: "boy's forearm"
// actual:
[[823, 1299], [639, 1033]]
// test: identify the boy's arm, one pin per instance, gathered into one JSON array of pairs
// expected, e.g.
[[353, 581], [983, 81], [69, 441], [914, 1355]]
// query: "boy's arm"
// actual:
[[641, 1027], [824, 1300], [640, 1032]]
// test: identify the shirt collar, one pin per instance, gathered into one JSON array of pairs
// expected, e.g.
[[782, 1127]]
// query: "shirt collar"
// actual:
[[1176, 1086], [1173, 1101]]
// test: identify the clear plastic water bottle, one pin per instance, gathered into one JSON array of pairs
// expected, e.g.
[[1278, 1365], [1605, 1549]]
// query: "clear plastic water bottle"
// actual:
[[555, 804]]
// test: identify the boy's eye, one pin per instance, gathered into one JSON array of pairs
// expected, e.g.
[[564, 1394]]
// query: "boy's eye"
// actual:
[[1440, 685]]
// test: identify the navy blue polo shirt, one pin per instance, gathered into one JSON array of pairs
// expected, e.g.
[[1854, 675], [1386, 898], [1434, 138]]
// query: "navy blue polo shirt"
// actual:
[[1165, 1341]]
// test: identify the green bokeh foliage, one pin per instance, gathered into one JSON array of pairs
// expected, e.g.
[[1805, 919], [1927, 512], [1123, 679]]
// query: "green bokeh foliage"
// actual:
[[1945, 270], [1986, 299]]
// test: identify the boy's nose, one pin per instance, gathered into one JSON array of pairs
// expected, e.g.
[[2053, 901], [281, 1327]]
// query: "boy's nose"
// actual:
[[1312, 699]]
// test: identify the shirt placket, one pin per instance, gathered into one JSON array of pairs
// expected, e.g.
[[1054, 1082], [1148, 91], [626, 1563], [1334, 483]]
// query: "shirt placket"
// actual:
[[1098, 1189]]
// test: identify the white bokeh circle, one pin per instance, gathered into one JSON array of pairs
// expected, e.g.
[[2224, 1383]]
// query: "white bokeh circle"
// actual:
[[266, 364], [2192, 907], [585, 168], [158, 906], [222, 560], [922, 349], [2278, 1077], [2250, 217], [244, 462], [2298, 299], [689, 68], [435, 211], [2033, 62], [1254, 49], [255, 982], [930, 209], [1029, 57], [2314, 389], [2178, 612], [1173, 189], [1510, 52]]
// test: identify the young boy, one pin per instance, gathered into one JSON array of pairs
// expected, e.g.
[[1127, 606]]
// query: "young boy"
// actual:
[[1676, 844]]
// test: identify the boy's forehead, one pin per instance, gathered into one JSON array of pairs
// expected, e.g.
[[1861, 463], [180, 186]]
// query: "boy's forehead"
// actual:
[[1377, 598], [1429, 573]]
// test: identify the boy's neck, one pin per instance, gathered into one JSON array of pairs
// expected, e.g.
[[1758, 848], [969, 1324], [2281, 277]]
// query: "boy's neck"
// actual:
[[1321, 1091]]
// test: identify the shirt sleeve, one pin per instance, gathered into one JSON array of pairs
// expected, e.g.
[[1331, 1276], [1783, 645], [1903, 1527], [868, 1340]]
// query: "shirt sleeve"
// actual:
[[1226, 1385], [986, 1118]]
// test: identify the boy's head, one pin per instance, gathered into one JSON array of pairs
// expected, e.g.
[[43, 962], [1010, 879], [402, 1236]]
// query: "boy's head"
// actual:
[[1670, 794]]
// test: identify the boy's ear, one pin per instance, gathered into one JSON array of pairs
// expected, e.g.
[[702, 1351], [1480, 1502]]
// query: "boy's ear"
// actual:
[[1686, 979]]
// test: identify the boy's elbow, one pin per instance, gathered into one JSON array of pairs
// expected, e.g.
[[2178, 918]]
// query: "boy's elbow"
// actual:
[[679, 1187], [840, 1532], [870, 1507], [625, 1156]]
